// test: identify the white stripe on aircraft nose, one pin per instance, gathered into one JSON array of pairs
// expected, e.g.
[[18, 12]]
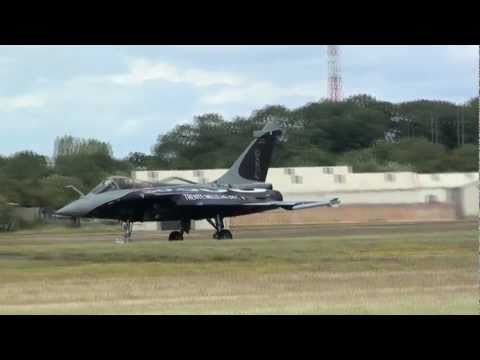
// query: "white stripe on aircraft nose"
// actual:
[[256, 190]]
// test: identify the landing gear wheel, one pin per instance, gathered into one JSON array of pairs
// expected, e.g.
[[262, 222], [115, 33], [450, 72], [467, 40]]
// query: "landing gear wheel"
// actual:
[[220, 232], [224, 235], [175, 236]]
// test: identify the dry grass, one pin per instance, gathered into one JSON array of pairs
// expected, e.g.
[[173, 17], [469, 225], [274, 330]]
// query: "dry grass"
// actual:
[[431, 273]]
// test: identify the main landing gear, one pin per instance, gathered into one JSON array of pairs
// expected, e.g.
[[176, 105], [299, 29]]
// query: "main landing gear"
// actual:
[[220, 232], [178, 235]]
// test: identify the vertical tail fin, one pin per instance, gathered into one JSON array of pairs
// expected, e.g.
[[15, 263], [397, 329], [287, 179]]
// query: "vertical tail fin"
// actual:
[[252, 166]]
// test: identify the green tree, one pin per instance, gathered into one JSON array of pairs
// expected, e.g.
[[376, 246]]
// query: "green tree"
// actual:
[[88, 160], [90, 168], [3, 162], [26, 165], [463, 159], [54, 193], [6, 215], [423, 155], [138, 159], [69, 145]]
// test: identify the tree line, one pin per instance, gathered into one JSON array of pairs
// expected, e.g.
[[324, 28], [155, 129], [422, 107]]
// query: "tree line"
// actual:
[[368, 134]]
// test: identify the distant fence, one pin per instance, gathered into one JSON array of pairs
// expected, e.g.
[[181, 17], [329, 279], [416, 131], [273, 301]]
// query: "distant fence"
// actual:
[[351, 214]]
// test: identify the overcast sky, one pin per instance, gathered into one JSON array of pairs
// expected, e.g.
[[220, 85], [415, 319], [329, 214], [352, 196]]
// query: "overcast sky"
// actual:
[[128, 95]]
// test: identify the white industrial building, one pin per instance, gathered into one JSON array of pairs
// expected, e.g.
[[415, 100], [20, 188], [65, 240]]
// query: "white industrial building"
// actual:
[[310, 183]]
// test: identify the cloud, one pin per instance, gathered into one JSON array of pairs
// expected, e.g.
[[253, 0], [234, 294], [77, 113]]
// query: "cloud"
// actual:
[[262, 92], [228, 87], [128, 95], [142, 70], [21, 102]]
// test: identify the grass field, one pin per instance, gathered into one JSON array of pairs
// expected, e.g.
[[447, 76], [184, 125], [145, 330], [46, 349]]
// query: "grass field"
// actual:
[[426, 269]]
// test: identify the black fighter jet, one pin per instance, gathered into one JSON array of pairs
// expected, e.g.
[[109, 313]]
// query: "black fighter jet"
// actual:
[[241, 190]]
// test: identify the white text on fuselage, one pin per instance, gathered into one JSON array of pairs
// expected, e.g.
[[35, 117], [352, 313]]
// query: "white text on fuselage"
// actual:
[[166, 190], [210, 197]]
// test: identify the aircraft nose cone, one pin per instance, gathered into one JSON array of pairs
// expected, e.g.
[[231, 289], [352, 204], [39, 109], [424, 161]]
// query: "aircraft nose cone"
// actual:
[[75, 209], [68, 210]]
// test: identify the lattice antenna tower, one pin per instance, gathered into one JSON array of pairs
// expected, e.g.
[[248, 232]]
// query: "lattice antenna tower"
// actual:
[[334, 73]]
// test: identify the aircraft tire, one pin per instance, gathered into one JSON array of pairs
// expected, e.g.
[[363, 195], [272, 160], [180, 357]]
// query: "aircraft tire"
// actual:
[[224, 235], [175, 236]]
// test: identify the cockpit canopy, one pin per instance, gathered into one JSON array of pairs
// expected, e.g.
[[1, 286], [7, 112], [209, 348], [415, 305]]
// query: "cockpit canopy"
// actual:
[[119, 183], [125, 183]]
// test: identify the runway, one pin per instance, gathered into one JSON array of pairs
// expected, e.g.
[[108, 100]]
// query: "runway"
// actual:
[[349, 269], [289, 231]]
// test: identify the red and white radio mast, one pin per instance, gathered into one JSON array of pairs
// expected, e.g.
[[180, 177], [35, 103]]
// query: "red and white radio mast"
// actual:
[[334, 74]]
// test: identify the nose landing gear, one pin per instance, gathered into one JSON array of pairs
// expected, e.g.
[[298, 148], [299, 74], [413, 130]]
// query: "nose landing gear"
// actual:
[[127, 228], [220, 232]]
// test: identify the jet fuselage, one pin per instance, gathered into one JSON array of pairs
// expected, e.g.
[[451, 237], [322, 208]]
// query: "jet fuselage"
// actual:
[[172, 202]]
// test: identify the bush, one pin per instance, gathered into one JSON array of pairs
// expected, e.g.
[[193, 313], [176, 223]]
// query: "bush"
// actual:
[[7, 221], [374, 159], [463, 159]]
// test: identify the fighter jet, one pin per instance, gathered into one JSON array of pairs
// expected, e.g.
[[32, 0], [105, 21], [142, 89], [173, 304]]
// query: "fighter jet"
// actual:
[[240, 191]]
